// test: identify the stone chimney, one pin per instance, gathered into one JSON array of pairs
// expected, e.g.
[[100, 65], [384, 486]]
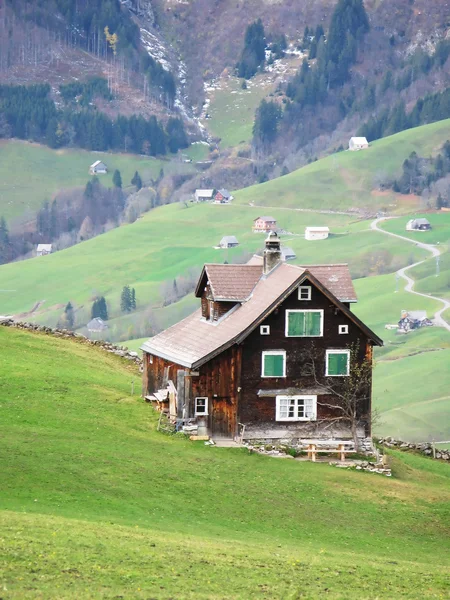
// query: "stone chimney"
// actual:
[[272, 252]]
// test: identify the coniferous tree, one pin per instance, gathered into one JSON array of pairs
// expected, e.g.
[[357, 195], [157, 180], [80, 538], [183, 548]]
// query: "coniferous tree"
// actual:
[[69, 316], [4, 242], [117, 179], [125, 299], [267, 118], [254, 52], [133, 299], [137, 181]]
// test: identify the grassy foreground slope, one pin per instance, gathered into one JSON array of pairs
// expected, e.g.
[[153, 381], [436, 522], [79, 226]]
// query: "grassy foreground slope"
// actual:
[[94, 503], [31, 173], [347, 179]]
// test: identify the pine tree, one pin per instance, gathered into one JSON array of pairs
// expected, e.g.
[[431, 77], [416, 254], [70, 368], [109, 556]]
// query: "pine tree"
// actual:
[[4, 242], [137, 181], [254, 52], [102, 308], [117, 179], [125, 299], [69, 316], [267, 117], [133, 299]]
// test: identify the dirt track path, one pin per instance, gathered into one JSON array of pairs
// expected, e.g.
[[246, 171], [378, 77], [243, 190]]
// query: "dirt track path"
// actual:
[[438, 318]]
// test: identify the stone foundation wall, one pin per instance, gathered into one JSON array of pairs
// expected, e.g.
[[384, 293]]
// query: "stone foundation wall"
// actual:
[[121, 351]]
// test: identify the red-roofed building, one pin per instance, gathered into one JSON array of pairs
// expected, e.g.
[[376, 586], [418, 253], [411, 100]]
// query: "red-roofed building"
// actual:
[[241, 359]]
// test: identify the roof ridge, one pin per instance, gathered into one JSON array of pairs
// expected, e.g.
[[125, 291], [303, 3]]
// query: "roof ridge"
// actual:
[[325, 265]]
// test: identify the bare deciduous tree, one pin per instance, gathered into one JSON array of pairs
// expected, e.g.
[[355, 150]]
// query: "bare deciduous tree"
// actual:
[[347, 398]]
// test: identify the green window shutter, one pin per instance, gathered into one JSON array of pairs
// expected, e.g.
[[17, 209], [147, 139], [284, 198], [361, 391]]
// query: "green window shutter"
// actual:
[[312, 320], [273, 365], [337, 363], [296, 324]]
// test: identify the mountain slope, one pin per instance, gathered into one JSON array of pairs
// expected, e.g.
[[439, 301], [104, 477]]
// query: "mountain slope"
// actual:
[[95, 503]]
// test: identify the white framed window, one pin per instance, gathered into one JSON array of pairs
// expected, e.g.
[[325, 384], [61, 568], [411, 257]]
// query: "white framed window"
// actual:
[[304, 292], [304, 323], [296, 408], [273, 363], [337, 363], [343, 329], [201, 406], [264, 330]]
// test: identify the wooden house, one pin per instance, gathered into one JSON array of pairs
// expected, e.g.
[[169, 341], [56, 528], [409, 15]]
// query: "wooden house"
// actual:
[[241, 364], [418, 225], [223, 196], [98, 168], [264, 224], [43, 249], [316, 233], [204, 195], [358, 143], [228, 241]]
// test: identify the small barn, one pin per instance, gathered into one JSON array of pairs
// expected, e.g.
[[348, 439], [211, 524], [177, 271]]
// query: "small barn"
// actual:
[[98, 168], [287, 253], [96, 325], [358, 143], [316, 233], [43, 249], [228, 241], [223, 196], [418, 225], [204, 195], [264, 224]]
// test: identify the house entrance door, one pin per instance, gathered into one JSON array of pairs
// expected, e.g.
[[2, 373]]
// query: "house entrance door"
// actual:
[[222, 417]]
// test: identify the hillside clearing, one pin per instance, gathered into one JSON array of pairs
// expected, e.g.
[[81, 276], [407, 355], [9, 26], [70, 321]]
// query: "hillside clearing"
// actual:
[[96, 503], [347, 179]]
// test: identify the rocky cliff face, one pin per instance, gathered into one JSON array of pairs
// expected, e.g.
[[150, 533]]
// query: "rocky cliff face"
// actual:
[[142, 9]]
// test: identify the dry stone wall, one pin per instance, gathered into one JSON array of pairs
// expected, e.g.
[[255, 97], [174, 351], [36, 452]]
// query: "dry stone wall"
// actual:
[[121, 351], [425, 448]]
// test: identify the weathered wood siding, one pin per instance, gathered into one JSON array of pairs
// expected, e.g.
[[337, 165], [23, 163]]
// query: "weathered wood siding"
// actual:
[[258, 411], [219, 382]]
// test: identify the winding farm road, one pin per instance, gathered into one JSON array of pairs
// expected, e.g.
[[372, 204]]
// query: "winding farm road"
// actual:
[[438, 318]]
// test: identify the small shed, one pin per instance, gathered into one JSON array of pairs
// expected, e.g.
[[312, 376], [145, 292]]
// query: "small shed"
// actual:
[[287, 253], [43, 249], [98, 168], [96, 325], [418, 225], [358, 143], [264, 224], [316, 233], [204, 195], [223, 196], [228, 241]]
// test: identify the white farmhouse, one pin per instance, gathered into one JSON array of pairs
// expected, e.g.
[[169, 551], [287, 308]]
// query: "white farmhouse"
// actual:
[[204, 195], [316, 233], [43, 249], [358, 143], [98, 168]]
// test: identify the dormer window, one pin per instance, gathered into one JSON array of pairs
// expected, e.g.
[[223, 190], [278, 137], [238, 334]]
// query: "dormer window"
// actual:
[[304, 292]]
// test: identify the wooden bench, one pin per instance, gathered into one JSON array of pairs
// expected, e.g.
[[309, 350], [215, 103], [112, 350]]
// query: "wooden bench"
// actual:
[[341, 447]]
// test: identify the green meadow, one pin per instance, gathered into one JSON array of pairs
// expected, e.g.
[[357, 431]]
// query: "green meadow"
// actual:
[[31, 173], [94, 503], [232, 110]]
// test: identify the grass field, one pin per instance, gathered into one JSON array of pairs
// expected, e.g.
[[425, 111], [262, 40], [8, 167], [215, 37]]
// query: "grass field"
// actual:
[[232, 110], [31, 173], [347, 179], [94, 503]]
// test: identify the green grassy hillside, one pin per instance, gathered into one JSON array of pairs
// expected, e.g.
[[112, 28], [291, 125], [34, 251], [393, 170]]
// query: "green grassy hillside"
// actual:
[[31, 173], [347, 179], [94, 503]]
